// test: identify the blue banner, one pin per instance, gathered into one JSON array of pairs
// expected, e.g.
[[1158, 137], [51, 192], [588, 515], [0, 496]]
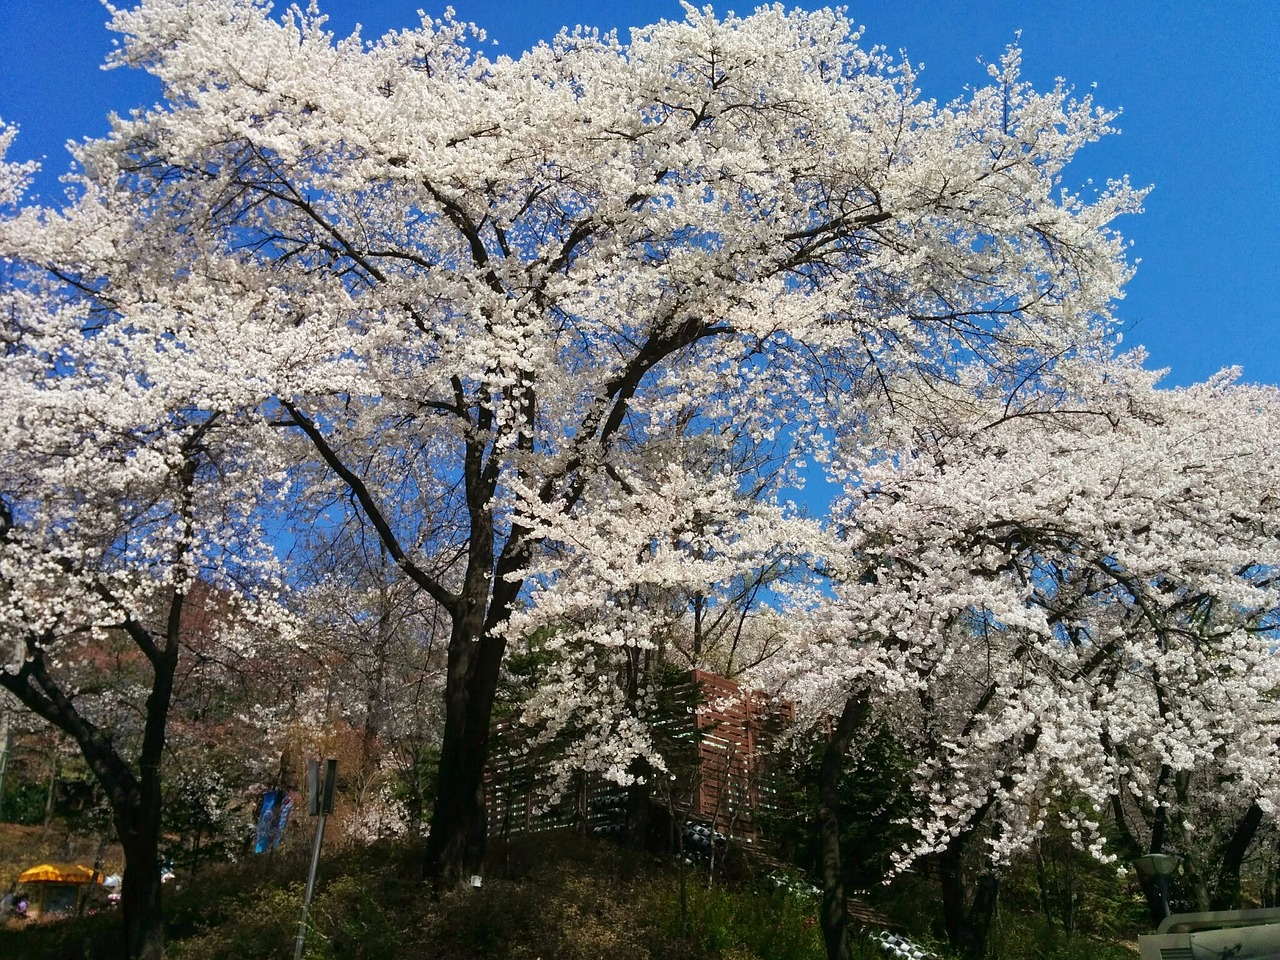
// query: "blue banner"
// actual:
[[273, 817]]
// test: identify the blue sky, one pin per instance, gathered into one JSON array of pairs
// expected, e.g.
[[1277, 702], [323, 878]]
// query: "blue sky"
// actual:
[[1199, 83]]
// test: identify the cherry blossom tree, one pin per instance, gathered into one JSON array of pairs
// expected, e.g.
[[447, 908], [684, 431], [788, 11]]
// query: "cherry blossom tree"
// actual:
[[375, 656], [126, 511], [1067, 599], [488, 295]]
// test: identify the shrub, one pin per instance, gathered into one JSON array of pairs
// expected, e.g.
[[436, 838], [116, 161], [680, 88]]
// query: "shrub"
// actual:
[[81, 938], [259, 925]]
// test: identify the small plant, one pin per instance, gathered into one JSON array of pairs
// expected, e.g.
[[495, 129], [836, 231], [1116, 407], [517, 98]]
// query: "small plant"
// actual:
[[258, 925], [727, 922]]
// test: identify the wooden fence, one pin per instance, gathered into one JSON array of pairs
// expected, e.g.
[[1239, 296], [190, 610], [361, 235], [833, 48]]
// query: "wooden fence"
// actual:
[[714, 740]]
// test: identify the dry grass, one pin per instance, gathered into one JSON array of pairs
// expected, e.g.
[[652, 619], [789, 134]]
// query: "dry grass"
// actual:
[[25, 846]]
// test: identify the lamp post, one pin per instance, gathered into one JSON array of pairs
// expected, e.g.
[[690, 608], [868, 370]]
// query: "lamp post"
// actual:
[[1155, 870]]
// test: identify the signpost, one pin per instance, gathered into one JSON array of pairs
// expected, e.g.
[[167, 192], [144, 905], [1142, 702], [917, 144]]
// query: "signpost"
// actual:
[[319, 804]]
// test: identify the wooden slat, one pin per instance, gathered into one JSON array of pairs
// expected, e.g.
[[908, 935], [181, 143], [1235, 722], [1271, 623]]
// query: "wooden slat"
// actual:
[[730, 785]]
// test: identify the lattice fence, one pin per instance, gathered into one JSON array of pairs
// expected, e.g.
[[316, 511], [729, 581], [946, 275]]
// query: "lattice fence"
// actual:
[[715, 738]]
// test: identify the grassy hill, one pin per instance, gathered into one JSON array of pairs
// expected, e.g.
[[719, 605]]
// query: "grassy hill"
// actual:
[[552, 896]]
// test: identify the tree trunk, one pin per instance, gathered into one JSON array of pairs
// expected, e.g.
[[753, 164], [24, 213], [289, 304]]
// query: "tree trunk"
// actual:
[[455, 846], [140, 888], [1226, 891], [968, 923], [1047, 897], [637, 825], [953, 896], [834, 916], [53, 788], [195, 851], [456, 842], [983, 909], [1156, 891]]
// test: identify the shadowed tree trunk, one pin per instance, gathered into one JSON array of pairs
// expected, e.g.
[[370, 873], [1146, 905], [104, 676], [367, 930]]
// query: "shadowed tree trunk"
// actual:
[[968, 921], [1226, 892], [835, 914], [456, 843]]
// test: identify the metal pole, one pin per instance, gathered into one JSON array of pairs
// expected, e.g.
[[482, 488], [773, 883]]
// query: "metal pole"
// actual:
[[320, 801], [311, 885], [1162, 890], [4, 750]]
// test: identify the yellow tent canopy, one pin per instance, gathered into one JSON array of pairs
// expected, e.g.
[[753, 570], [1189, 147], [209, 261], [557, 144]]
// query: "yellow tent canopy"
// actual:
[[48, 873]]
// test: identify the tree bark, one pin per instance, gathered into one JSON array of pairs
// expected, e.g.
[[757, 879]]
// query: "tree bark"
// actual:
[[456, 842], [834, 916], [140, 891], [1151, 888], [1226, 891], [968, 922]]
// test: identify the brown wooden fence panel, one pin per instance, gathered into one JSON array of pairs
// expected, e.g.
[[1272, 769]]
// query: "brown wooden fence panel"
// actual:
[[729, 784]]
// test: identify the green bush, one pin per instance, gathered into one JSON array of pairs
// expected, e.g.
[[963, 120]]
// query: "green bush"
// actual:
[[365, 918], [257, 926], [742, 924], [553, 896], [1030, 936], [99, 937], [562, 911], [23, 802]]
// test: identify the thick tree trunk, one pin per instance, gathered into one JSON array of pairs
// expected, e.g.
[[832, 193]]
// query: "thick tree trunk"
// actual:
[[1155, 894], [140, 890], [139, 805], [983, 909], [954, 901], [638, 819], [968, 922], [456, 842], [455, 846], [1226, 892], [835, 912]]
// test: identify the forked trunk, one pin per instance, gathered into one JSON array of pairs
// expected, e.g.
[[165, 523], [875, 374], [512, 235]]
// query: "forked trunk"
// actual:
[[1226, 893]]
